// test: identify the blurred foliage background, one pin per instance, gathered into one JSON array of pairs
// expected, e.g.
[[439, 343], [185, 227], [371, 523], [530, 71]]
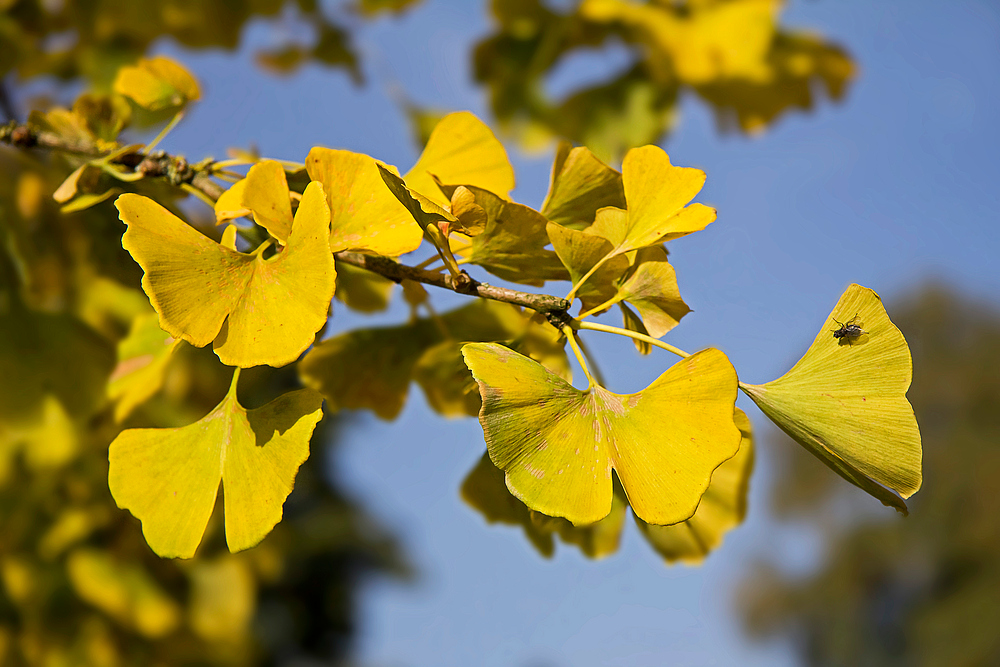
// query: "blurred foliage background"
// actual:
[[924, 590], [78, 584]]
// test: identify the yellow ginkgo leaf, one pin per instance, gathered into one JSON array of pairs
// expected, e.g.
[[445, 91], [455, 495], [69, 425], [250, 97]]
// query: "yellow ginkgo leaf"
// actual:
[[142, 362], [169, 477], [265, 193], [657, 194], [364, 214], [652, 288], [254, 310], [123, 590], [229, 205], [581, 185], [157, 83], [845, 400], [722, 508], [558, 445], [462, 150]]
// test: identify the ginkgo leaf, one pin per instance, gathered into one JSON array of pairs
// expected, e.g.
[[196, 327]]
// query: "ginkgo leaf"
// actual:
[[447, 383], [424, 210], [168, 478], [123, 590], [364, 215], [461, 150], [652, 288], [722, 508], [558, 445], [845, 400], [513, 244], [581, 184], [229, 205], [157, 83], [49, 440], [657, 194], [633, 322], [372, 368], [579, 251], [265, 193], [142, 361], [254, 310]]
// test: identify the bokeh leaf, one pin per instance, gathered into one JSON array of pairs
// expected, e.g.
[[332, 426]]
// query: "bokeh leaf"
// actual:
[[157, 83], [558, 445], [361, 290], [255, 310], [364, 215], [168, 478], [142, 362], [372, 368], [845, 401]]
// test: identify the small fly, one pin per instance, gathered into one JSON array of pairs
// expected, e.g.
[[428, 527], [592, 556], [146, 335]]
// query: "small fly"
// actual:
[[849, 330]]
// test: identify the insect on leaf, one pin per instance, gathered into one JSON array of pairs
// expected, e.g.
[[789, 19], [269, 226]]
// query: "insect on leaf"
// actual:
[[846, 403]]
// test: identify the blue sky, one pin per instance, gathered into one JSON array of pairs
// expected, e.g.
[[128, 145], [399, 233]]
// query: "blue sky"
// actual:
[[893, 187]]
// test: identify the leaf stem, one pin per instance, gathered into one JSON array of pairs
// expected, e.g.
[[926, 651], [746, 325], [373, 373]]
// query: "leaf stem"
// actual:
[[594, 326], [574, 343], [165, 131], [596, 309]]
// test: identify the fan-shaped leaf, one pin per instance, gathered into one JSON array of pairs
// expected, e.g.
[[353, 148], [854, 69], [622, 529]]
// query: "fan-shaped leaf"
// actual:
[[845, 400], [255, 310], [157, 83], [558, 445], [168, 478], [364, 215], [581, 184]]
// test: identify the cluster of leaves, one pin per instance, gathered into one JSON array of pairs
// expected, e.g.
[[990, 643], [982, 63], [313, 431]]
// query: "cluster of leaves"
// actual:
[[678, 452], [78, 339], [730, 53], [918, 592]]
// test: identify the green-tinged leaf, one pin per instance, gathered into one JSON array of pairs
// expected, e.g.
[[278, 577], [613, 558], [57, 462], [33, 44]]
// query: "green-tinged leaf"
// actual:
[[484, 489], [157, 83], [265, 193], [48, 440], [254, 310], [372, 368], [84, 201], [142, 362], [364, 215], [845, 400], [579, 252], [558, 445], [513, 245], [168, 478], [722, 508], [123, 590], [361, 290], [447, 383], [581, 184], [105, 115], [546, 345], [657, 194], [652, 289], [462, 150]]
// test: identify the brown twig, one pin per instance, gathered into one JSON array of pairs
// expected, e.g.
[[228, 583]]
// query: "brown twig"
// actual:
[[176, 171]]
